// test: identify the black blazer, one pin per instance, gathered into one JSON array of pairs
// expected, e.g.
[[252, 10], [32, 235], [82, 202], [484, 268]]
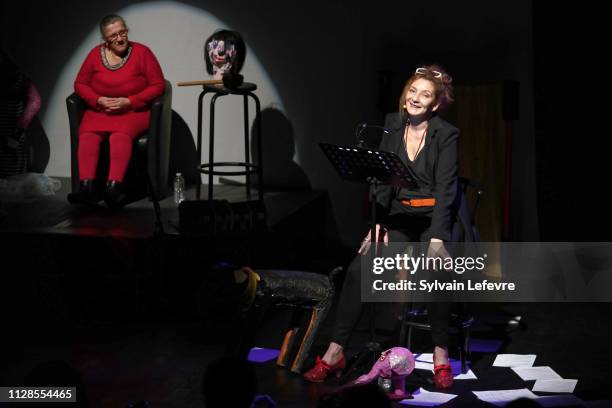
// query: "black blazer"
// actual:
[[441, 149]]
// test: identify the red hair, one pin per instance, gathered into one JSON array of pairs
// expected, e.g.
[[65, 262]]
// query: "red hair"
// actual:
[[442, 82]]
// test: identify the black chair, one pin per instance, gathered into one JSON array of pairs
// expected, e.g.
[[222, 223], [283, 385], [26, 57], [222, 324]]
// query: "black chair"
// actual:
[[461, 322], [464, 230], [147, 173]]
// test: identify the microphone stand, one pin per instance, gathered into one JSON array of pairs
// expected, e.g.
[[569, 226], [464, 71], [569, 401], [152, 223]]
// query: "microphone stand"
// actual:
[[374, 167], [372, 349], [363, 126]]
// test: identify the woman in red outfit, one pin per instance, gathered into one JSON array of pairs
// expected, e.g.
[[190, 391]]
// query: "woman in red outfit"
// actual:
[[118, 80]]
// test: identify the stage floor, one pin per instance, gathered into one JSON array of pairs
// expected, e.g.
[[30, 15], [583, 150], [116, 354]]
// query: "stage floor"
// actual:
[[160, 357], [78, 286], [55, 215]]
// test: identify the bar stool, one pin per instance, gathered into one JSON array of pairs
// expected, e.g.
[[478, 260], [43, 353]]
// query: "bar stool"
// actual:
[[461, 322], [245, 90]]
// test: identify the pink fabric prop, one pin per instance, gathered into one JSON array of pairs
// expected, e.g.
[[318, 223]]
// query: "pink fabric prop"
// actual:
[[396, 363]]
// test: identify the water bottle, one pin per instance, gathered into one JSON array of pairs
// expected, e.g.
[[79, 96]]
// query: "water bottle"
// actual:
[[179, 188]]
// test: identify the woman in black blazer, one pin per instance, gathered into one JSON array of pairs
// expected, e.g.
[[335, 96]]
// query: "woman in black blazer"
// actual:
[[429, 146]]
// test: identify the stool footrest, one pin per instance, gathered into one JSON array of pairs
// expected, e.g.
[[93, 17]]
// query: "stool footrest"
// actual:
[[252, 168]]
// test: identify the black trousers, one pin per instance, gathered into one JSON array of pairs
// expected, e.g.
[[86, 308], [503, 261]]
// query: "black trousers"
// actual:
[[403, 228]]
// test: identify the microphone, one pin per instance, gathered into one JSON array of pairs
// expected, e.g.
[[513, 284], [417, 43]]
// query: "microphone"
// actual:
[[363, 126]]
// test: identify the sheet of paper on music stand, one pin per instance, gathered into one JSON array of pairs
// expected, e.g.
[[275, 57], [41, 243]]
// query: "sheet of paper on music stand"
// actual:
[[514, 360], [536, 373], [502, 397], [424, 398], [560, 385]]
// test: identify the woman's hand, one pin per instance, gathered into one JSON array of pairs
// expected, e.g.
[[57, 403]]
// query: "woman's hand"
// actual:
[[114, 105], [103, 101], [436, 249], [118, 105], [381, 235]]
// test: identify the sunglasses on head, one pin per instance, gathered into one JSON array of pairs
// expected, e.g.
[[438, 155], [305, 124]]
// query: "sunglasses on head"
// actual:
[[424, 71]]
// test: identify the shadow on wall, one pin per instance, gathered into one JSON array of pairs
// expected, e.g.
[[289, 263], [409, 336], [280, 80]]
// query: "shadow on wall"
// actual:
[[280, 172], [38, 146], [183, 152]]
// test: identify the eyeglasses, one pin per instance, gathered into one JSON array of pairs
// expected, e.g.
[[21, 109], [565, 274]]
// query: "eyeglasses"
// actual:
[[115, 36], [424, 71]]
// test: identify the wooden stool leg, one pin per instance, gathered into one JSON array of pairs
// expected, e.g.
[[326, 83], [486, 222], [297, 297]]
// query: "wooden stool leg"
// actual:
[[283, 356], [313, 325]]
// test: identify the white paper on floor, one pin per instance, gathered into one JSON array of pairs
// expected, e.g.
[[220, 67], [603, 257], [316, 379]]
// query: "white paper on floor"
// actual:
[[424, 398], [536, 373], [561, 401], [424, 361], [419, 365], [514, 360], [424, 357], [561, 385], [467, 376], [502, 397]]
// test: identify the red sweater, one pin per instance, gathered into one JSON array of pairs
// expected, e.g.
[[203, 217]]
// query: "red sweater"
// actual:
[[140, 79]]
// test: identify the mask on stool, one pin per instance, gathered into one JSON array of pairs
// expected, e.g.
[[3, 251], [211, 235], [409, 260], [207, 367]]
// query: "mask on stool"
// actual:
[[224, 54]]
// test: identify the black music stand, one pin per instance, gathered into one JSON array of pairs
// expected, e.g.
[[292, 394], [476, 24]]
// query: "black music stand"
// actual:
[[375, 168]]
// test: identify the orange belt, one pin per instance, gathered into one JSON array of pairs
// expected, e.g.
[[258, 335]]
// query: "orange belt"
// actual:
[[420, 202]]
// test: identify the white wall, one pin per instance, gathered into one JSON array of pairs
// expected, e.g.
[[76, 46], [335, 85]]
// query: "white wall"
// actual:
[[176, 33]]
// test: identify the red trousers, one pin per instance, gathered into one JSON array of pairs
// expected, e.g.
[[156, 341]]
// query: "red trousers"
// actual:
[[89, 151]]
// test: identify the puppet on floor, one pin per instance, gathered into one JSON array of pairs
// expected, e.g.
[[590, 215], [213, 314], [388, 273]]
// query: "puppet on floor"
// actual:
[[391, 370]]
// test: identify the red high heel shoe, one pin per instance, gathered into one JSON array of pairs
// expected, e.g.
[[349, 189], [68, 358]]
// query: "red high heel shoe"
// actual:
[[321, 370], [443, 376]]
